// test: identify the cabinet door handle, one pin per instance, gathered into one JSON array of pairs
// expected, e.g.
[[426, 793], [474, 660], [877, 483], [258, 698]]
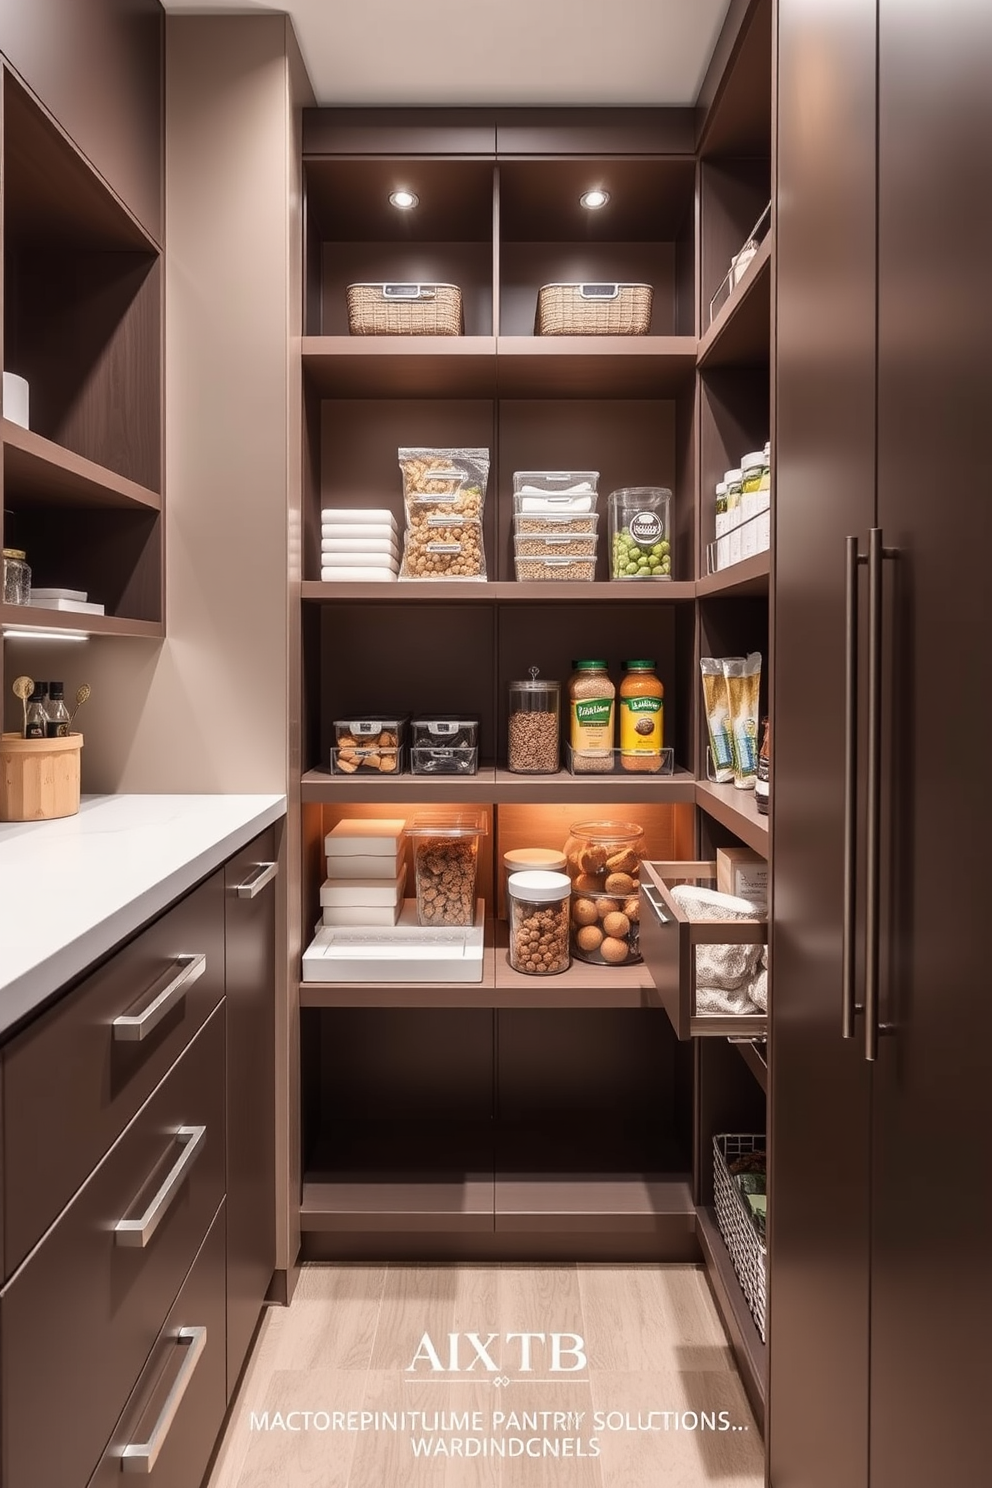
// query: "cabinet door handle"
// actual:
[[651, 895], [137, 1232], [849, 951], [873, 837], [130, 1029], [140, 1457], [262, 874]]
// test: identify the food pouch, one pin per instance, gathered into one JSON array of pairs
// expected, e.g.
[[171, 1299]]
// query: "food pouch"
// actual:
[[743, 680], [717, 706], [444, 492]]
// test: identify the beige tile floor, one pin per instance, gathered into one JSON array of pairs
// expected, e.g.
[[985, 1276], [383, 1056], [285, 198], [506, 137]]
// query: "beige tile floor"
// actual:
[[651, 1334]]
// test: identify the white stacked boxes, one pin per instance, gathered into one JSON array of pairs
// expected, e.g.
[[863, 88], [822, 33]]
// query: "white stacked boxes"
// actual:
[[358, 544], [366, 873]]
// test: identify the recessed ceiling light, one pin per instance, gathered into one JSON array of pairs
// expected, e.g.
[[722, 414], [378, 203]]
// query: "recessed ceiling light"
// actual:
[[594, 199], [405, 200], [30, 633]]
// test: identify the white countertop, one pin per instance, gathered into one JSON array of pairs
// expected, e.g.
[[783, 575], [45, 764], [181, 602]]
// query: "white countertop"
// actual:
[[71, 889]]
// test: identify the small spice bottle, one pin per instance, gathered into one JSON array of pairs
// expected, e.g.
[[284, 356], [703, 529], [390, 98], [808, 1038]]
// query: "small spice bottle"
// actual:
[[735, 486], [642, 718], [752, 466]]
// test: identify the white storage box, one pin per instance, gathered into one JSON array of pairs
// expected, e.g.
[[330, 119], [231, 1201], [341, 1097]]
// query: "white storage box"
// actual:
[[336, 534], [365, 558], [378, 838], [361, 915], [383, 542], [405, 952], [347, 516], [355, 575], [362, 893], [365, 865]]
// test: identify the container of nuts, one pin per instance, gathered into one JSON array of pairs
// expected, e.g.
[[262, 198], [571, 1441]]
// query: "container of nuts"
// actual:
[[368, 746], [539, 922], [445, 859], [533, 727], [603, 862]]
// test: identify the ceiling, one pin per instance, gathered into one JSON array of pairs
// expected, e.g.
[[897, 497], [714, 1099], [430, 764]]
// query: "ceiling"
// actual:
[[499, 52]]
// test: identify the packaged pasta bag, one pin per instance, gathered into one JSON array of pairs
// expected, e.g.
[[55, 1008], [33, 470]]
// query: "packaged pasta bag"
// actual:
[[444, 493], [743, 678], [717, 705]]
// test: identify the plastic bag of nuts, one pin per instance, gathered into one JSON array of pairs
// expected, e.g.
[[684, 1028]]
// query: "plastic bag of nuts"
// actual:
[[443, 547], [603, 861], [539, 922], [445, 858]]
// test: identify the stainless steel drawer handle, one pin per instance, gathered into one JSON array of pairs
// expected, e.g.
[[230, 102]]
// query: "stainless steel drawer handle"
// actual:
[[652, 896], [138, 1232], [140, 1457], [263, 874], [130, 1028]]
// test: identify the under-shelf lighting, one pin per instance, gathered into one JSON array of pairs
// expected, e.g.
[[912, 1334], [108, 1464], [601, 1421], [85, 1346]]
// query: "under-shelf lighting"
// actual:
[[594, 199], [29, 633], [404, 200]]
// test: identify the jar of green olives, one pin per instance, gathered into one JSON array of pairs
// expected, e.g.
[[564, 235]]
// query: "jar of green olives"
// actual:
[[640, 541]]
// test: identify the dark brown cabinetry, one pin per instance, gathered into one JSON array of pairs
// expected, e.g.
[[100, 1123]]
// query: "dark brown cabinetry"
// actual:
[[882, 335], [138, 1191], [250, 887]]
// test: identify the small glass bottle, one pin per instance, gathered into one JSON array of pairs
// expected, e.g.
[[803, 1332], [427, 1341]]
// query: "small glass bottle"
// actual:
[[16, 577], [58, 714], [762, 781], [36, 717], [642, 717]]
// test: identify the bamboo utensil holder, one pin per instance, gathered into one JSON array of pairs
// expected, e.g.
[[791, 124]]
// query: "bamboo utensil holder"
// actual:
[[39, 778]]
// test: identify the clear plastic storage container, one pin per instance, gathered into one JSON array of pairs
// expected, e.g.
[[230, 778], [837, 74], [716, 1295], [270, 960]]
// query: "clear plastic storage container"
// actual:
[[555, 524], [604, 865], [538, 915], [555, 570], [444, 746], [557, 545], [368, 746], [445, 860], [555, 482], [640, 543]]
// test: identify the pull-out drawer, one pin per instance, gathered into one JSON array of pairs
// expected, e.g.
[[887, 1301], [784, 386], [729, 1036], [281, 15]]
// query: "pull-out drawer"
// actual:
[[78, 1319], [169, 1426], [75, 1077], [669, 940]]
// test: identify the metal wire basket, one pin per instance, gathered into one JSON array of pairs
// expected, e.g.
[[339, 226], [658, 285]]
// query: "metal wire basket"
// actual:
[[746, 1248]]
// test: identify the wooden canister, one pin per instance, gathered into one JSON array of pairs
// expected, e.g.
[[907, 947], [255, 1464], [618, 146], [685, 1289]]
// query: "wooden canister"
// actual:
[[39, 778]]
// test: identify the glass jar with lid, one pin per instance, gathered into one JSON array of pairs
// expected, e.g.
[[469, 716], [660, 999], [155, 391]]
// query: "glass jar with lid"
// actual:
[[640, 534], [591, 697], [603, 861], [752, 466], [533, 726], [16, 577], [538, 914], [530, 860]]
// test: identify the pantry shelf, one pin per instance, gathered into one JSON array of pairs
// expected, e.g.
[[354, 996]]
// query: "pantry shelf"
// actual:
[[499, 787], [421, 590], [401, 366], [749, 577], [594, 366], [39, 472], [740, 334], [735, 809], [33, 618], [751, 1354], [582, 986]]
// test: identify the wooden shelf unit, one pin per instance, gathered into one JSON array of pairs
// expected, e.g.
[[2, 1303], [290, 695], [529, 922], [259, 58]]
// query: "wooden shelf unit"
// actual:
[[82, 322], [735, 809], [498, 786]]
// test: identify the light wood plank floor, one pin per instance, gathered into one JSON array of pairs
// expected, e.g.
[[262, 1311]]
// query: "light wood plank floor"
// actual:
[[651, 1334]]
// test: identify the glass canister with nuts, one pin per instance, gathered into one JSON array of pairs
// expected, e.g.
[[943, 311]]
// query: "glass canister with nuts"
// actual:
[[532, 746], [539, 922], [604, 864], [445, 859]]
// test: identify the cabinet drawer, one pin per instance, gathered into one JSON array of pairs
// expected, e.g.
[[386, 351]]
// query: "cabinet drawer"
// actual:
[[668, 944], [170, 1424], [77, 1321], [97, 1065]]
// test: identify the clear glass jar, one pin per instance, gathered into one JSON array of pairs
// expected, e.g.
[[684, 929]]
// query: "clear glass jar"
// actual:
[[751, 467], [735, 486], [538, 914], [604, 865], [16, 577], [640, 537], [533, 727]]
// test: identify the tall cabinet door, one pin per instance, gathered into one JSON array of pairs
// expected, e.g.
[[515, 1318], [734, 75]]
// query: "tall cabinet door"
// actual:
[[824, 454], [932, 1234]]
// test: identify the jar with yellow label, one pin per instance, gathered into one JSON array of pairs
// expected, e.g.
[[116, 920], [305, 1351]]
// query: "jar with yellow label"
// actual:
[[642, 718], [591, 702]]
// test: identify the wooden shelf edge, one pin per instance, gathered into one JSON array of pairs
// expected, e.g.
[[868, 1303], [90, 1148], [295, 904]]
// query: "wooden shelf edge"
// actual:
[[497, 786], [750, 576], [30, 617], [495, 591], [751, 1354], [719, 332], [740, 814], [72, 476]]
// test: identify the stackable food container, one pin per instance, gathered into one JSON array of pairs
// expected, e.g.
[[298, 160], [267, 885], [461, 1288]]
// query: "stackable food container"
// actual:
[[555, 525], [445, 859], [368, 747], [447, 745]]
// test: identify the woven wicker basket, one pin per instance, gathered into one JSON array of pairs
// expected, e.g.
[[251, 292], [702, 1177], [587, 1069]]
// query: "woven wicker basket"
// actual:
[[746, 1248], [594, 310], [404, 310]]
